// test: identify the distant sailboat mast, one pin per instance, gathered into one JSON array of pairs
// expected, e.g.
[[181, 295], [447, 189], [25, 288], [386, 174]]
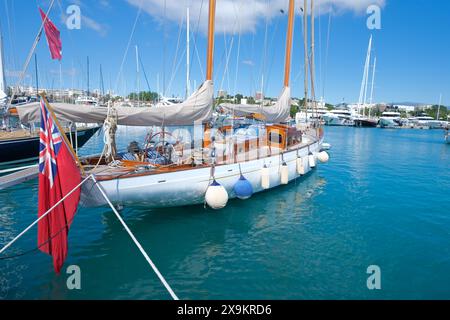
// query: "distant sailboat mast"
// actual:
[[364, 83], [373, 84], [439, 107], [138, 77], [2, 67], [88, 92], [305, 42], [188, 58], [37, 74], [313, 53], [102, 84]]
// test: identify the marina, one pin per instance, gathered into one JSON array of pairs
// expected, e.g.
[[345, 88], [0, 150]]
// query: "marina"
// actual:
[[168, 183], [317, 220]]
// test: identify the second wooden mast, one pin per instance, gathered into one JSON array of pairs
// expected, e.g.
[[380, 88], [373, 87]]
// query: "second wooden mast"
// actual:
[[210, 52], [290, 31]]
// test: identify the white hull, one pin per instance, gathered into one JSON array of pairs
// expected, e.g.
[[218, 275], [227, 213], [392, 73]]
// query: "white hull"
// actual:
[[389, 123], [188, 187], [435, 124], [336, 121]]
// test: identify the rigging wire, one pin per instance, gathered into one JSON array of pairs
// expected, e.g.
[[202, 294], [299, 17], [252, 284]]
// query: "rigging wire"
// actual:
[[237, 61], [11, 36], [195, 48], [264, 58], [272, 60], [164, 46], [325, 72], [128, 46], [145, 74], [174, 63], [227, 60], [177, 67]]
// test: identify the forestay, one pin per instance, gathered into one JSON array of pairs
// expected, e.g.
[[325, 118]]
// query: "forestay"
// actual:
[[198, 107], [279, 112]]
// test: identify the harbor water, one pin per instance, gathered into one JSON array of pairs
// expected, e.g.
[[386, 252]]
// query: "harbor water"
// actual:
[[383, 199]]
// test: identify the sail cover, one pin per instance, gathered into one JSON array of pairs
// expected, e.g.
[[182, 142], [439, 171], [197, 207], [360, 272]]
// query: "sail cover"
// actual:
[[198, 107], [279, 112]]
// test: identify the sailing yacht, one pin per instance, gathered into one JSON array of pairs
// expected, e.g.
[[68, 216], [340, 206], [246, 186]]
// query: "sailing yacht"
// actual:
[[361, 120], [221, 162]]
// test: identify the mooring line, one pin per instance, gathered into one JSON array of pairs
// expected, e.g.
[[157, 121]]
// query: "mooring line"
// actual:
[[136, 242]]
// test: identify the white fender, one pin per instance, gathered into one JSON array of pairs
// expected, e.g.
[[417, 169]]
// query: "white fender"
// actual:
[[300, 166], [284, 174], [216, 196], [312, 161], [323, 157], [265, 177]]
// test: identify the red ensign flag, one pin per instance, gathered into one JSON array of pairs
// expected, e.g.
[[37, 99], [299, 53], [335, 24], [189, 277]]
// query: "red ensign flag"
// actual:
[[53, 37], [58, 175]]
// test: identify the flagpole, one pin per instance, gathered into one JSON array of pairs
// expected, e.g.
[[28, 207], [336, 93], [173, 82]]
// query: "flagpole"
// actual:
[[30, 55], [63, 133], [37, 75]]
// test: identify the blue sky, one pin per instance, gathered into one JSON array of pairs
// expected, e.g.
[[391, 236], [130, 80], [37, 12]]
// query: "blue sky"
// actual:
[[412, 47]]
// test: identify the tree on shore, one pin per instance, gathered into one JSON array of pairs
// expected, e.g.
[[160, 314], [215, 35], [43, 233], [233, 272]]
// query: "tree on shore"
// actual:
[[148, 96]]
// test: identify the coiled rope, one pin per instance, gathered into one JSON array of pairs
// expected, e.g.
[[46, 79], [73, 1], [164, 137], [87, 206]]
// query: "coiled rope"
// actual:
[[110, 128]]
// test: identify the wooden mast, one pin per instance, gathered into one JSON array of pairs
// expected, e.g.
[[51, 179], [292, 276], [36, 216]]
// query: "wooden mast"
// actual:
[[210, 52], [313, 53], [287, 67], [305, 41]]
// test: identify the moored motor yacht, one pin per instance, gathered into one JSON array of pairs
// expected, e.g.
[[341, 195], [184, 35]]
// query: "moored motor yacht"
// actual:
[[390, 120], [338, 118], [86, 100]]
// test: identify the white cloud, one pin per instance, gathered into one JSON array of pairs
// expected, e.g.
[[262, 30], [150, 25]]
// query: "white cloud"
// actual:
[[67, 72], [244, 15], [105, 3], [86, 21], [248, 62], [93, 25]]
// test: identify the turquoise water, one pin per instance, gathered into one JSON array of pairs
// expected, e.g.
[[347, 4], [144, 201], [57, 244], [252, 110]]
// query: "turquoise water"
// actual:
[[383, 199]]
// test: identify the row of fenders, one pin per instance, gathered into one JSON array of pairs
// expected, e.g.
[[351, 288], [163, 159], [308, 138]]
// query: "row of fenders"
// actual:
[[216, 195]]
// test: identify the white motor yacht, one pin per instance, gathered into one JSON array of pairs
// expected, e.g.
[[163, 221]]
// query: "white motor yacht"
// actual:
[[390, 120]]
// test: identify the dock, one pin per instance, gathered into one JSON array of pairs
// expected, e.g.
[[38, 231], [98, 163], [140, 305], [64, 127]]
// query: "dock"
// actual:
[[18, 177]]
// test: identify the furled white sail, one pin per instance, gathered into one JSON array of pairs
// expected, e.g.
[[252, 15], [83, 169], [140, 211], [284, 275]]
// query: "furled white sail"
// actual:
[[279, 112], [2, 95], [198, 107]]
